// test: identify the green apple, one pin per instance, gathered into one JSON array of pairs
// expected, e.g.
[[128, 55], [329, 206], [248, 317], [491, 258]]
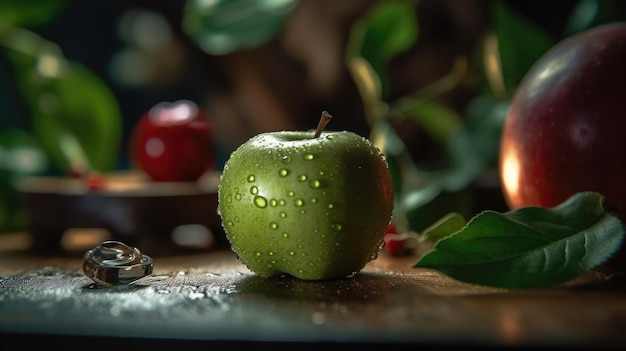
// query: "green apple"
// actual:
[[313, 205]]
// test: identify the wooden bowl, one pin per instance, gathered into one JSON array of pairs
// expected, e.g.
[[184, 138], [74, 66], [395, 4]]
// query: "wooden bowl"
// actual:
[[159, 218]]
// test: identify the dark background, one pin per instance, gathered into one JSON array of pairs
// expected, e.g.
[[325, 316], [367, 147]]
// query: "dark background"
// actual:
[[89, 32]]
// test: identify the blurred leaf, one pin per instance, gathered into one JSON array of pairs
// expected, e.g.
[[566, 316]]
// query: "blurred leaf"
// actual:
[[30, 13], [388, 29], [475, 146], [520, 44], [530, 247], [223, 26], [590, 13], [583, 16], [421, 218], [368, 83], [439, 120], [70, 102], [86, 109], [21, 153]]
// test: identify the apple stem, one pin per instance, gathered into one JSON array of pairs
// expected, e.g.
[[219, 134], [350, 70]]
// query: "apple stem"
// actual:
[[324, 119]]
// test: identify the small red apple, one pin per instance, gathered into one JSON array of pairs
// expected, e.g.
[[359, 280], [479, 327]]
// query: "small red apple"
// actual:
[[566, 128], [173, 142]]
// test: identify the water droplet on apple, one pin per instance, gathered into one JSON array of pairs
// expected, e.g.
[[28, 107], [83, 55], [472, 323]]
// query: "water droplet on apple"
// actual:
[[260, 201], [314, 183], [286, 159], [273, 202], [237, 197], [254, 190], [283, 172], [302, 178], [309, 157], [292, 253], [330, 206], [381, 244], [285, 235], [291, 194], [313, 200], [250, 178], [281, 202], [273, 225], [229, 198], [336, 227], [282, 215], [299, 202]]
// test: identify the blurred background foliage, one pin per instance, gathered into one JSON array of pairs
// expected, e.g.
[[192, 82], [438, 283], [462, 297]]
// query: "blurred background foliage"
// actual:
[[428, 81]]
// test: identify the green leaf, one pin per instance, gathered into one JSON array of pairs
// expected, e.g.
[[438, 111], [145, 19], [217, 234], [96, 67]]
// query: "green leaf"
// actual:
[[30, 13], [224, 26], [475, 145], [583, 16], [440, 121], [520, 44], [73, 113], [444, 227], [590, 13], [86, 110], [531, 247], [389, 28]]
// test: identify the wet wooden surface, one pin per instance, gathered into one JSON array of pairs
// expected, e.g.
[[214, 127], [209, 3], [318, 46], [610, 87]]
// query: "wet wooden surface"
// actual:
[[211, 297]]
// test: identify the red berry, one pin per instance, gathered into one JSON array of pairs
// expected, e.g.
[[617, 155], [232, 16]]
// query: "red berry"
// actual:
[[95, 181], [398, 244]]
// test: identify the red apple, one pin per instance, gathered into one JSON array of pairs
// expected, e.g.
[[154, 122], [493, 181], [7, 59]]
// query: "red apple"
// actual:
[[173, 142], [566, 128]]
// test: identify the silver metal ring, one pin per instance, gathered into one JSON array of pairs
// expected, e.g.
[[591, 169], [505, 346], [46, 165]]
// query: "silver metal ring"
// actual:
[[115, 263]]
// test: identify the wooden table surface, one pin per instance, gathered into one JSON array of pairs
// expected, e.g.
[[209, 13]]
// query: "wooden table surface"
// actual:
[[210, 297]]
